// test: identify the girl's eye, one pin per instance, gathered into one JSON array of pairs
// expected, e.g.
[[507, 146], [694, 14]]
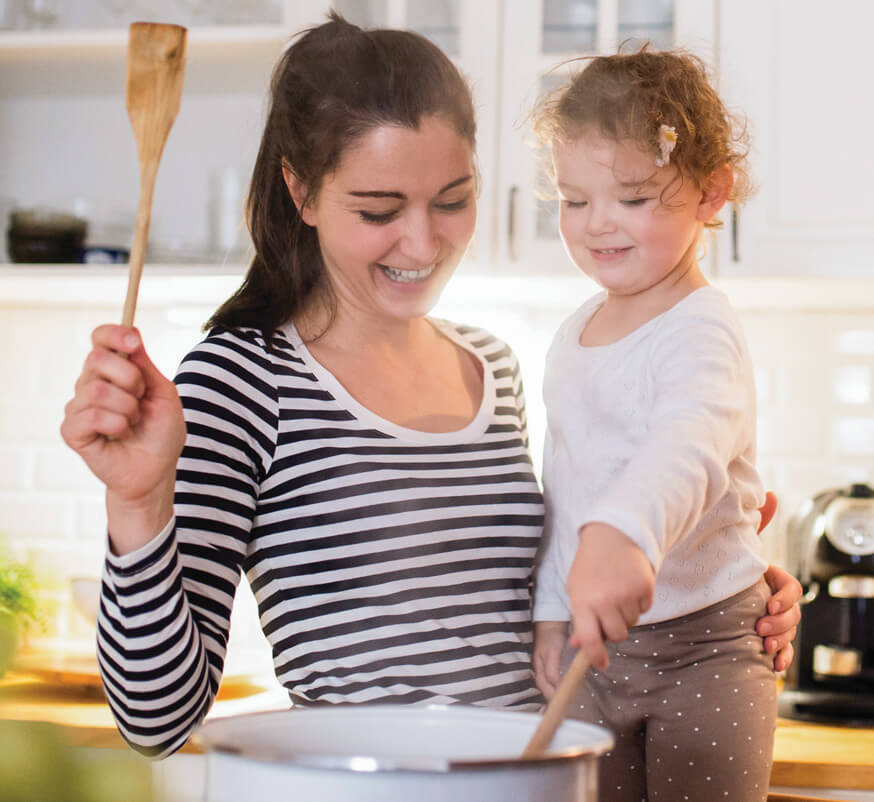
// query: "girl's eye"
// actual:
[[574, 204], [377, 218], [635, 202]]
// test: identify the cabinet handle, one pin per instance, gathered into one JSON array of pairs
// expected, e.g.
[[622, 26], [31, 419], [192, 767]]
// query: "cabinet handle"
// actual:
[[511, 223], [735, 251]]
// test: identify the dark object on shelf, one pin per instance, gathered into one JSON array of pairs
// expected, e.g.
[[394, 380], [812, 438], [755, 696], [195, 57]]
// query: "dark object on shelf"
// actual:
[[832, 676], [42, 235]]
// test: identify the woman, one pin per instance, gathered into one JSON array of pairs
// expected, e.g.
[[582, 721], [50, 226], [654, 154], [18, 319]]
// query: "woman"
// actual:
[[365, 466]]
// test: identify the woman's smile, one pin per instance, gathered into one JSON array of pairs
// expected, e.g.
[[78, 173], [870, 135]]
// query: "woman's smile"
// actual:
[[406, 276]]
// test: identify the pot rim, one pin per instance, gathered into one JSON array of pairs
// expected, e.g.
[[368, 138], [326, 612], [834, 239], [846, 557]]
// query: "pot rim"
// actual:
[[367, 764]]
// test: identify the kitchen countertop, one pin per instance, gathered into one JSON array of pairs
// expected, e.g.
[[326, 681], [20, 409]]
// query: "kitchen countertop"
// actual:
[[87, 721], [805, 754], [105, 285]]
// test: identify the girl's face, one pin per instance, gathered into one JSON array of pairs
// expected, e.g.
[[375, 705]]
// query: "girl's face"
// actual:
[[613, 223], [395, 218]]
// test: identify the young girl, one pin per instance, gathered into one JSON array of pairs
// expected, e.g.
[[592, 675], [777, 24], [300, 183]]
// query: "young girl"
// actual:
[[651, 489]]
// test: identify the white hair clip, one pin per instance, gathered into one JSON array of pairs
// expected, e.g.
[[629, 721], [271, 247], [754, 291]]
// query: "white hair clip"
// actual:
[[667, 143]]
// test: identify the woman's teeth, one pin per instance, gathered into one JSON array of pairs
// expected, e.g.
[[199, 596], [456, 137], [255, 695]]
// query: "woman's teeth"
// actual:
[[407, 276]]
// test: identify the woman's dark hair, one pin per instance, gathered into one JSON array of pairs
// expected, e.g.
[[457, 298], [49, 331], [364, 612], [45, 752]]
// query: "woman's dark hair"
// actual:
[[335, 83]]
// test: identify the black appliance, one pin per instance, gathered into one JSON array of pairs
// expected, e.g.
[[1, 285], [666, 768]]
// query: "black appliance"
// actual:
[[832, 676]]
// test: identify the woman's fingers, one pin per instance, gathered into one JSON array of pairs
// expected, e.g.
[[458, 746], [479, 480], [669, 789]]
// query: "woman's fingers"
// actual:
[[103, 395], [80, 428], [546, 671], [774, 645], [784, 658], [123, 339], [778, 630], [787, 591], [779, 627], [103, 364], [767, 510]]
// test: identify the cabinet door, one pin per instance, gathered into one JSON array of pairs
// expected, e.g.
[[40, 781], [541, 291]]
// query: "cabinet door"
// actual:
[[801, 72], [468, 32], [538, 35]]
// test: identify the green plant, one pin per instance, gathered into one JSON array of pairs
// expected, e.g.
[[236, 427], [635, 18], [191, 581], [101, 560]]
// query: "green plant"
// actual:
[[18, 592], [18, 607]]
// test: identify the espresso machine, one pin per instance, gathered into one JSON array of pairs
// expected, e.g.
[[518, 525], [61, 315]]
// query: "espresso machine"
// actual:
[[832, 542]]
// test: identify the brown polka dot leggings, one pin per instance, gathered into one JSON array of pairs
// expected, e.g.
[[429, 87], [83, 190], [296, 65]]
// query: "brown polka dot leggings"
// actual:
[[691, 703]]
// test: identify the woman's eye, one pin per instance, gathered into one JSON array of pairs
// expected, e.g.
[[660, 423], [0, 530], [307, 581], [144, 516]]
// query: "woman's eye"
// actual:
[[377, 217], [453, 206], [635, 202]]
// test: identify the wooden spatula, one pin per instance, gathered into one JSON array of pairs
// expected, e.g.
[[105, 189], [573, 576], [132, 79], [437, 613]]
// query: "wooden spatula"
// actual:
[[557, 707], [155, 69]]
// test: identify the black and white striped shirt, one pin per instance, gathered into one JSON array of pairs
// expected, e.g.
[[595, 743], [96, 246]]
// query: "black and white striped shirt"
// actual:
[[389, 565]]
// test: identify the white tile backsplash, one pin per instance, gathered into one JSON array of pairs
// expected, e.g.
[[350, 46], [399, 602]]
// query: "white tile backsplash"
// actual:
[[856, 341], [852, 384], [814, 368]]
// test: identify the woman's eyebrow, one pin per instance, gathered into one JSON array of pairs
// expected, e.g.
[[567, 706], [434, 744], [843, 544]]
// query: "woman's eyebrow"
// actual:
[[378, 193]]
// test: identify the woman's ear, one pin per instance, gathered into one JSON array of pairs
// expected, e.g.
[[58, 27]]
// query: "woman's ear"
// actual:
[[715, 192], [298, 191]]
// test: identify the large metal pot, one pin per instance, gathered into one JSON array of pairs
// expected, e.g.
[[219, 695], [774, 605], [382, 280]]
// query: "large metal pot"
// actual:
[[397, 754]]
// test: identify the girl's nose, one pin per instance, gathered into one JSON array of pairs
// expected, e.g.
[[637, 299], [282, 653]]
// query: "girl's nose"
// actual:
[[599, 220]]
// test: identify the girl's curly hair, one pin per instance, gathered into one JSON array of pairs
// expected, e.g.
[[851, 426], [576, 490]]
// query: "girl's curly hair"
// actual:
[[628, 96]]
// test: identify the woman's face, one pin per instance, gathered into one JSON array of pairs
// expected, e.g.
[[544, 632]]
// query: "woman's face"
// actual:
[[395, 218]]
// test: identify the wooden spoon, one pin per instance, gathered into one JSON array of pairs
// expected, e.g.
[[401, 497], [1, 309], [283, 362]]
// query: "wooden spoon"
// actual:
[[557, 707], [155, 69]]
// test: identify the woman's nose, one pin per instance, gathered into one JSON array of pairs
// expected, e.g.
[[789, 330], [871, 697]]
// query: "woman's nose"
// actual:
[[420, 241]]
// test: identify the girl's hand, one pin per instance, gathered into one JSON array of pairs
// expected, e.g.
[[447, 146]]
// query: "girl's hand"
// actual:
[[778, 628], [125, 420], [549, 640], [611, 583]]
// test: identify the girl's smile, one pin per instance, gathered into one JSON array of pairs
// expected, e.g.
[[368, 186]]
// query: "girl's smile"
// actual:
[[626, 223]]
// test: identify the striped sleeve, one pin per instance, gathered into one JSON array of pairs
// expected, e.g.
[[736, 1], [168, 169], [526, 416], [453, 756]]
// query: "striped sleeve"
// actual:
[[165, 614]]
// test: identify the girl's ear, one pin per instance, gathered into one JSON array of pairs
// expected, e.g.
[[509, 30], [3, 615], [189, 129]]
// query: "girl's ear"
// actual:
[[298, 191], [715, 192]]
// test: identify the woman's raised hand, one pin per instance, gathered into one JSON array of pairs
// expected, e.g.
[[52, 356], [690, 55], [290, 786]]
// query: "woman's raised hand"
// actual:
[[125, 420]]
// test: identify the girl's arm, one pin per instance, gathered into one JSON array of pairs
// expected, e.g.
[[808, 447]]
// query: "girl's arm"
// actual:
[[701, 421]]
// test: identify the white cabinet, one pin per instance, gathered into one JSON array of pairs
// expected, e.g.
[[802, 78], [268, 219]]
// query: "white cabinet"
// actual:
[[801, 73], [67, 143], [538, 35], [796, 71]]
